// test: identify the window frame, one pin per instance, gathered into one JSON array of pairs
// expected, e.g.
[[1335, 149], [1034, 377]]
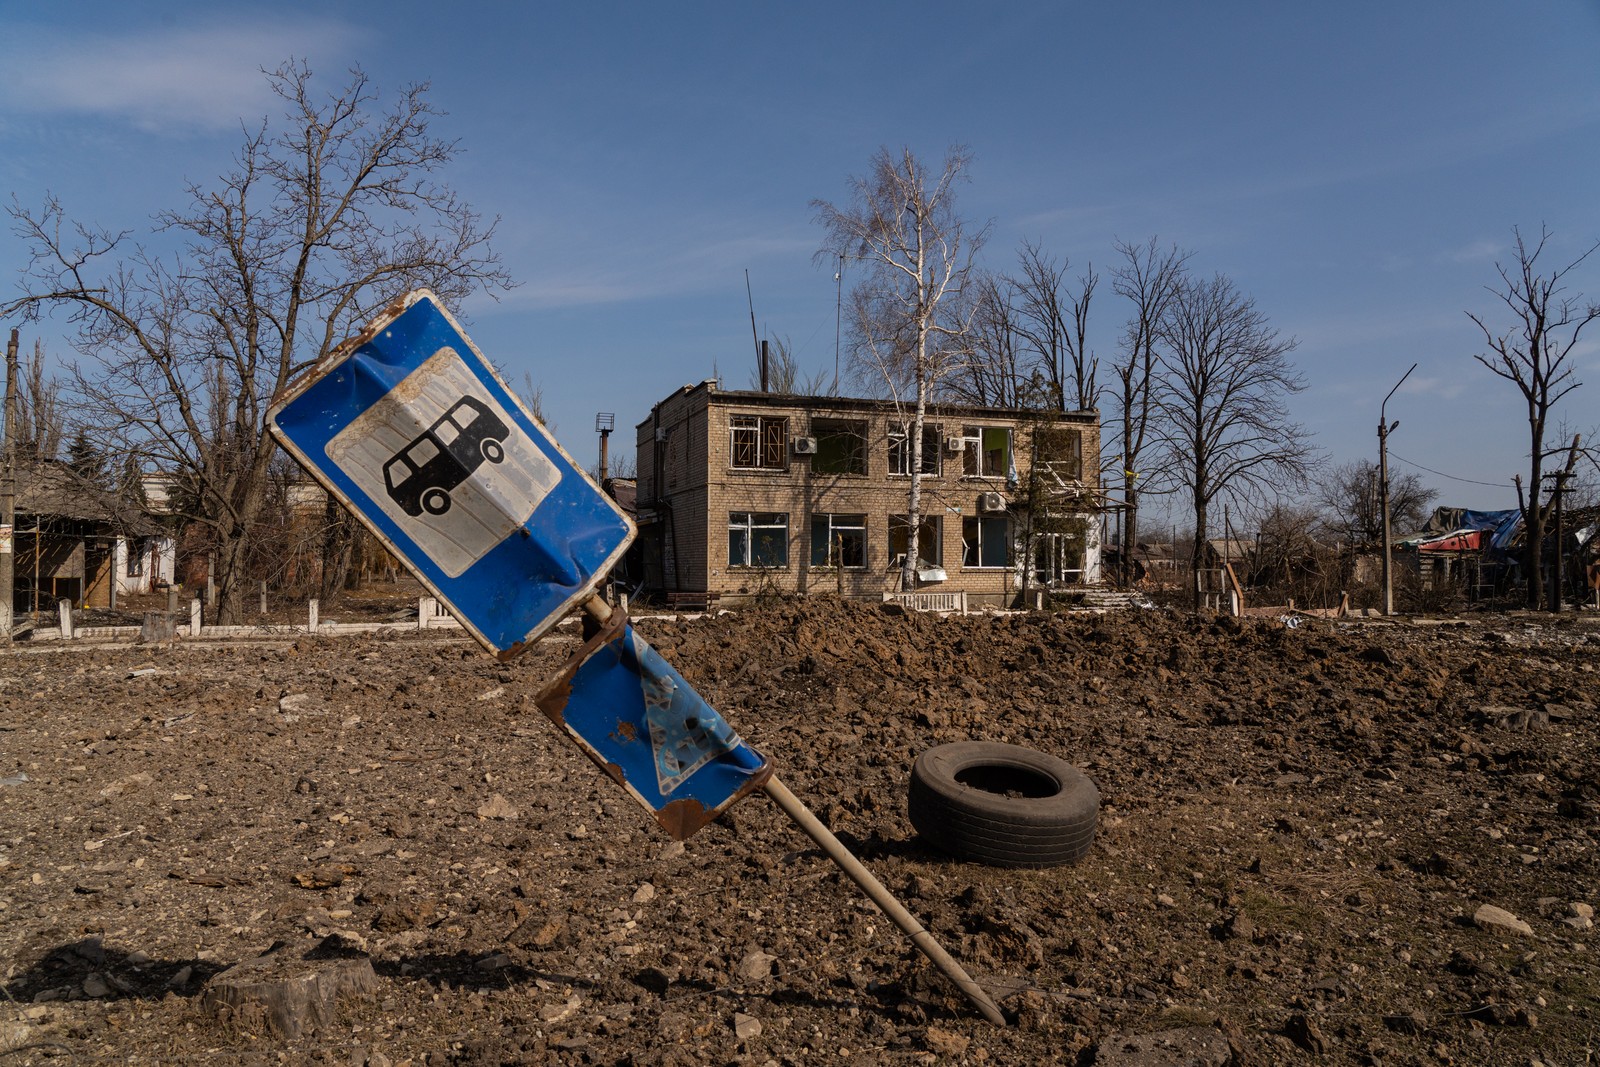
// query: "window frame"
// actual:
[[899, 449], [768, 439], [829, 524], [930, 524], [855, 453], [973, 548], [748, 531], [974, 458]]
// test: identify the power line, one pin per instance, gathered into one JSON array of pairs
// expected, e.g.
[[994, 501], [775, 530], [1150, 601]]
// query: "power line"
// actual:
[[1442, 474]]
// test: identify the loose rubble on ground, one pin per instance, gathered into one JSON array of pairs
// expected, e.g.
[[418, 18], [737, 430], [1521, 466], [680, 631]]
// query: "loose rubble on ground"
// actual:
[[1348, 842]]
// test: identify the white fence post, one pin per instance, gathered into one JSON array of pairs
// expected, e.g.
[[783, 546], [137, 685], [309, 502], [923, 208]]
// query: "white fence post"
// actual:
[[311, 615], [64, 609], [424, 612], [194, 617]]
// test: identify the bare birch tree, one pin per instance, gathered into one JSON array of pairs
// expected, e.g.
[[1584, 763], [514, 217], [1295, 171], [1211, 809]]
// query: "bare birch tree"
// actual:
[[911, 311], [1535, 355], [1224, 375], [319, 223], [1147, 278]]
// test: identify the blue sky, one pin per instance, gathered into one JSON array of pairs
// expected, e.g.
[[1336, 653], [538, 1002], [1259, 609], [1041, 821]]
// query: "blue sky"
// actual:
[[1357, 168]]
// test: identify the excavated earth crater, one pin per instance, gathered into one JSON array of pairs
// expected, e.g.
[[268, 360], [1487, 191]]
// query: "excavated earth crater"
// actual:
[[1356, 842]]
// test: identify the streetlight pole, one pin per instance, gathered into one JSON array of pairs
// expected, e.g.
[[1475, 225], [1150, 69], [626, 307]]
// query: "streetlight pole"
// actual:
[[8, 496], [1384, 429]]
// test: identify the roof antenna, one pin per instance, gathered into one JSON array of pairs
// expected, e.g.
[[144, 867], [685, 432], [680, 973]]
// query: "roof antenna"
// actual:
[[761, 354]]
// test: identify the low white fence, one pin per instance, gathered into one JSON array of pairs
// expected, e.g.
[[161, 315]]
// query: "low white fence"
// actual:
[[929, 601], [165, 625]]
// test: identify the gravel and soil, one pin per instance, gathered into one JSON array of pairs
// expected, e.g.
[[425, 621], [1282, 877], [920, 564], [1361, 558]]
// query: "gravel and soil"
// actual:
[[1340, 843]]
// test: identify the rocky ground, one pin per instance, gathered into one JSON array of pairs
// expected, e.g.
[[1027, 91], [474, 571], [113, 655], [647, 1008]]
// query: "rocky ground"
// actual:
[[1341, 843]]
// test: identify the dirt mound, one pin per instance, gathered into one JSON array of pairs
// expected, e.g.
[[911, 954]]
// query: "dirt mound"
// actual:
[[1300, 831]]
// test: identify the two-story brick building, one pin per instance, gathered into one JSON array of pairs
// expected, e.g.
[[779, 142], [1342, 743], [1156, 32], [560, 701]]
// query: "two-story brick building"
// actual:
[[743, 492]]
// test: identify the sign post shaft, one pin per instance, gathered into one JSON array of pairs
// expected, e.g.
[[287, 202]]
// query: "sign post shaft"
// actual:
[[834, 849]]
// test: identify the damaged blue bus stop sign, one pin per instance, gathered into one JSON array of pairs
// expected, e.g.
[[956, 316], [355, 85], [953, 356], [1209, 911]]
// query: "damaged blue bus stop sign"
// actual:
[[644, 726], [409, 427]]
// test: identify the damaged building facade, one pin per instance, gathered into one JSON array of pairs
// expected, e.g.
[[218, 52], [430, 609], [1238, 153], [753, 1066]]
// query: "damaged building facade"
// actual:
[[741, 493]]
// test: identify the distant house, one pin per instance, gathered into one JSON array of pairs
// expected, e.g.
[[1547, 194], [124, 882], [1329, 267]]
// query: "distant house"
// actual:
[[745, 492], [77, 542]]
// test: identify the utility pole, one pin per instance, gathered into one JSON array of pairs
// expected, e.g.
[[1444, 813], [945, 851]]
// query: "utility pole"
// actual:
[[1557, 491], [8, 496], [1385, 427]]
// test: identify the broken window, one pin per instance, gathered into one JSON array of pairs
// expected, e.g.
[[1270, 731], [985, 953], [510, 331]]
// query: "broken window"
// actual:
[[929, 552], [900, 450], [135, 558], [986, 541], [987, 451], [758, 442], [841, 446], [1060, 450], [838, 540], [758, 539]]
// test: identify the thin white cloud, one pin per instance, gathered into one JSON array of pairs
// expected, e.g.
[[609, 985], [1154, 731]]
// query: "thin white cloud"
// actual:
[[164, 81], [660, 268], [1476, 252]]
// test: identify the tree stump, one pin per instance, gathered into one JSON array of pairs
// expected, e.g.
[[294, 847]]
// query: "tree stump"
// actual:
[[286, 996]]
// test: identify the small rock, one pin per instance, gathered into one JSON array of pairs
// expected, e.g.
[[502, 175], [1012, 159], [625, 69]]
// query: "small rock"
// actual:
[[555, 1013], [1490, 917], [756, 966], [497, 807], [644, 894], [745, 1026], [946, 1042], [671, 850], [95, 986], [1580, 910]]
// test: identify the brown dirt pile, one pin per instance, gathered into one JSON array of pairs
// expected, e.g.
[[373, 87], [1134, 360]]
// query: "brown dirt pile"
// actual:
[[1301, 830]]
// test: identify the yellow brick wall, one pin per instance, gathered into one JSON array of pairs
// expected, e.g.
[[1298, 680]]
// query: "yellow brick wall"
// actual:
[[693, 465]]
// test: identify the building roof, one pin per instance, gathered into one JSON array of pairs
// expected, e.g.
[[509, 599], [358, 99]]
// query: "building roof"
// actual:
[[749, 398], [53, 490]]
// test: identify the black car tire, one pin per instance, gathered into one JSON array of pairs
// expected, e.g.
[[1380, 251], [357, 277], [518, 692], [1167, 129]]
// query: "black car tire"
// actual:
[[1003, 805], [493, 450]]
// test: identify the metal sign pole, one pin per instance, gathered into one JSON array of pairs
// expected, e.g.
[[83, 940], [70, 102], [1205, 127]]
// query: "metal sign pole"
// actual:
[[834, 849]]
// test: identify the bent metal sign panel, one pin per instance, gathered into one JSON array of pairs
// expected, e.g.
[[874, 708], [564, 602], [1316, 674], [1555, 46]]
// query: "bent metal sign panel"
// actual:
[[409, 427]]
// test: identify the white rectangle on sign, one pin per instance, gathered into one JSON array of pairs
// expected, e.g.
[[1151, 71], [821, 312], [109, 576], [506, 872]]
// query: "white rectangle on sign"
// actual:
[[446, 462]]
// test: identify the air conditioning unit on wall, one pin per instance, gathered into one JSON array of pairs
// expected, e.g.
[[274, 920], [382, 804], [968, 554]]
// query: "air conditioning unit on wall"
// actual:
[[805, 446], [953, 445], [991, 502]]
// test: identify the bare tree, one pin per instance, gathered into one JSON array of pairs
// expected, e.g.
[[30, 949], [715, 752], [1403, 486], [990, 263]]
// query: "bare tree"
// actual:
[[1224, 377], [1348, 497], [318, 224], [1535, 355], [993, 375], [909, 321], [1053, 323], [1147, 278], [41, 422], [783, 372]]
